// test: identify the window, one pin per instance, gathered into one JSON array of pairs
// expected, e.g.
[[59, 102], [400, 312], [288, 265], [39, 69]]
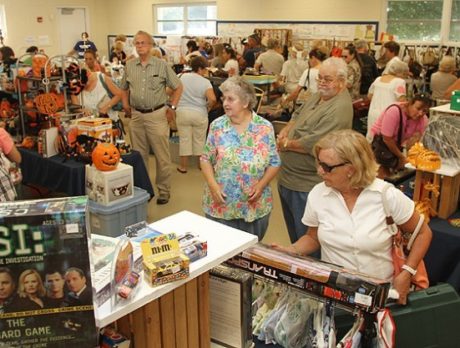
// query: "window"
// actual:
[[194, 20], [415, 20], [454, 34], [2, 21]]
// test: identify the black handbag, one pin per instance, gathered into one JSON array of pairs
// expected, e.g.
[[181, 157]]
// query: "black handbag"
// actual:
[[382, 153]]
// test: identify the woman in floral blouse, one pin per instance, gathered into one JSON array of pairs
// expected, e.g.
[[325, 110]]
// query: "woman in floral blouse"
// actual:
[[239, 161]]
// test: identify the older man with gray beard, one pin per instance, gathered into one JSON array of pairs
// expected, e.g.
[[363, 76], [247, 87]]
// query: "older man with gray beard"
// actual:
[[329, 109]]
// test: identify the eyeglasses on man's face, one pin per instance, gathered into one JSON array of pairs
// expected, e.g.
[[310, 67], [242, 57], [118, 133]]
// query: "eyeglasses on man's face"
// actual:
[[142, 43], [328, 168], [327, 80]]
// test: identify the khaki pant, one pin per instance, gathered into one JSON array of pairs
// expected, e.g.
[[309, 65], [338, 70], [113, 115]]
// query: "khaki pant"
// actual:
[[192, 125], [152, 131]]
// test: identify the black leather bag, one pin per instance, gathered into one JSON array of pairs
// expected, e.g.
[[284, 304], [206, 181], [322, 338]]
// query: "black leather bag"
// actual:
[[382, 153]]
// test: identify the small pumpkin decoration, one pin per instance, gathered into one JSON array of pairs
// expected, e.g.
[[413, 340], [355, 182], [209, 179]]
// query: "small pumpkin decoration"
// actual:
[[106, 157], [5, 109]]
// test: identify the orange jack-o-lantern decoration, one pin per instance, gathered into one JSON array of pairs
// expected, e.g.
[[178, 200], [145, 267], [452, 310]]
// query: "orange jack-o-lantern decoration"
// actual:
[[46, 103], [106, 157]]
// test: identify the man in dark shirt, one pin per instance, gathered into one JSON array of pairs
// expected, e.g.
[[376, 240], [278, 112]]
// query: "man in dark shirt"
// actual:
[[369, 71], [250, 54]]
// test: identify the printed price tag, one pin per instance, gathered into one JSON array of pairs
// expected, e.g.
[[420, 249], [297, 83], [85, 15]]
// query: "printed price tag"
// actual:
[[365, 300], [71, 228]]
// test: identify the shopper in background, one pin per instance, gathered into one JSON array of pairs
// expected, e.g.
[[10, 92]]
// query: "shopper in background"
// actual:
[[118, 53], [271, 61], [8, 63], [369, 71], [30, 292], [251, 52], [192, 51], [443, 78], [329, 109], [453, 87], [192, 111], [239, 161], [351, 57], [92, 63], [346, 217], [293, 68], [96, 99], [217, 61], [307, 84], [413, 117], [391, 53], [386, 90], [82, 46], [146, 102], [231, 66], [7, 288]]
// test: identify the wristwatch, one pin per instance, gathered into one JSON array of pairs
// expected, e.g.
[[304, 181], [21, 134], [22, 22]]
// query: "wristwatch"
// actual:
[[409, 269], [172, 107]]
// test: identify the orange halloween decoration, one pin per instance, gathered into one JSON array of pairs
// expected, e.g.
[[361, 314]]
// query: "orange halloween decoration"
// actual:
[[59, 100], [28, 143], [5, 109], [106, 157], [46, 103], [38, 63], [31, 105]]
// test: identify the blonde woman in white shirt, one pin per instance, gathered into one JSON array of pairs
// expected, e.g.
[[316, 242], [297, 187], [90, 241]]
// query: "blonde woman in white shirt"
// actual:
[[346, 217]]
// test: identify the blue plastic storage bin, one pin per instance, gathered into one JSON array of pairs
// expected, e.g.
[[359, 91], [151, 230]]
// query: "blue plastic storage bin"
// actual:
[[111, 220]]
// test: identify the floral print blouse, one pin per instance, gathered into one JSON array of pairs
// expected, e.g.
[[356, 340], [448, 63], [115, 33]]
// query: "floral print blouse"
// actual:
[[239, 162]]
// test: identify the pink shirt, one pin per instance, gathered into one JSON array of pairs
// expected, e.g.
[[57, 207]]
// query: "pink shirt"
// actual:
[[6, 143], [388, 124]]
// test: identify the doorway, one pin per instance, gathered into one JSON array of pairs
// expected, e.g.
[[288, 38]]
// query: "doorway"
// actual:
[[72, 21]]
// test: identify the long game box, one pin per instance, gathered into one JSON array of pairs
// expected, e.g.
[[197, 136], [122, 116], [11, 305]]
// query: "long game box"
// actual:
[[46, 297], [320, 278]]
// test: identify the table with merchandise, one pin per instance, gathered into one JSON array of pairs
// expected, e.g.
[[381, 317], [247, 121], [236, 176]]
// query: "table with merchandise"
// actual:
[[68, 175], [177, 313]]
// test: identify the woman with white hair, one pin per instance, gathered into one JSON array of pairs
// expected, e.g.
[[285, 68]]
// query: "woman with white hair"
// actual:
[[386, 90], [443, 78], [239, 161]]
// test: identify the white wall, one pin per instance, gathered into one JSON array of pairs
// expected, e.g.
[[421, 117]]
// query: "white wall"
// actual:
[[121, 16], [21, 20]]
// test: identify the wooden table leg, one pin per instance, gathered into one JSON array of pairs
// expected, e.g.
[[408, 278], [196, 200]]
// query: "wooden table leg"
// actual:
[[203, 308]]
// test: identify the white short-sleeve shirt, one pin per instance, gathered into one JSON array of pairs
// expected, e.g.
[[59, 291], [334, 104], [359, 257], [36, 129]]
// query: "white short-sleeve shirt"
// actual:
[[359, 240], [309, 82]]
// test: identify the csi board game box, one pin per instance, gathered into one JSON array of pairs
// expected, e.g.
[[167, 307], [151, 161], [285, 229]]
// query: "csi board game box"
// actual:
[[46, 297]]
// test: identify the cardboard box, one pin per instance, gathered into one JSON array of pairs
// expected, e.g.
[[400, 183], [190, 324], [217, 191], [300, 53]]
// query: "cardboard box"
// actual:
[[109, 187], [46, 142], [325, 280], [99, 128], [163, 260], [230, 300], [47, 236]]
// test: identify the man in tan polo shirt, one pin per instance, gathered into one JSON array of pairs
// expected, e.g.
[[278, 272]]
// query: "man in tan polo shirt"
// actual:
[[146, 102]]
